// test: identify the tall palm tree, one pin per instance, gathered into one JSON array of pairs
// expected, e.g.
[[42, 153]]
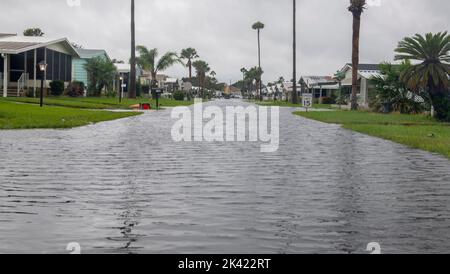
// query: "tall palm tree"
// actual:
[[147, 59], [202, 68], [258, 26], [432, 73], [294, 87], [356, 8], [189, 54], [132, 90]]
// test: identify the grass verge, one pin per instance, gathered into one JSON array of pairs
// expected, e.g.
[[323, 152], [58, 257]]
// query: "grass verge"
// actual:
[[416, 131], [29, 116], [97, 102], [288, 104]]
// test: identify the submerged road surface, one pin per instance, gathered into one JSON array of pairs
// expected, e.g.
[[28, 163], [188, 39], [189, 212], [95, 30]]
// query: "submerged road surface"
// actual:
[[125, 187]]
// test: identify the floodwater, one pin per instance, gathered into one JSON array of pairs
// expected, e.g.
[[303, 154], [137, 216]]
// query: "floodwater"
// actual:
[[125, 187]]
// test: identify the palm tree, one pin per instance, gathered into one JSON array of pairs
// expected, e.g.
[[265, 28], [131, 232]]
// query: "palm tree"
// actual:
[[132, 90], [243, 71], [356, 8], [294, 87], [189, 54], [281, 81], [147, 59], [258, 26], [202, 68], [432, 73]]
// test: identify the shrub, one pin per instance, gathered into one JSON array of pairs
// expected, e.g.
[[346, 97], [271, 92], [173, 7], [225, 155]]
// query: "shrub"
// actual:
[[178, 95], [56, 88], [75, 89], [328, 101], [138, 89], [110, 94], [146, 89]]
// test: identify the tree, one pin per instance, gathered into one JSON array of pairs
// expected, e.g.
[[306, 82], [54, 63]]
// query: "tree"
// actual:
[[147, 59], [33, 32], [432, 73], [339, 76], [116, 61], [243, 71], [189, 54], [281, 81], [294, 82], [392, 93], [254, 75], [101, 73], [202, 68], [77, 46], [132, 90], [258, 26], [356, 8]]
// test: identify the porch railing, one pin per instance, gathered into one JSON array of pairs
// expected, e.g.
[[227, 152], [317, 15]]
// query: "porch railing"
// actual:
[[22, 83]]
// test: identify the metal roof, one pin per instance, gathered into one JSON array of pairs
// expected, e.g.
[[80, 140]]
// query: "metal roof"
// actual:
[[6, 35], [366, 67], [15, 46], [19, 44], [91, 53]]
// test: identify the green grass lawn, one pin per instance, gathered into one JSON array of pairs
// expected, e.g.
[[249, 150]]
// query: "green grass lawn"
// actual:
[[97, 102], [288, 104], [416, 131], [28, 116]]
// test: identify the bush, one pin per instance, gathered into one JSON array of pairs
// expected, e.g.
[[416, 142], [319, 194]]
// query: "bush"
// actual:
[[178, 95], [328, 101], [75, 89], [56, 88], [110, 94], [138, 89], [146, 89]]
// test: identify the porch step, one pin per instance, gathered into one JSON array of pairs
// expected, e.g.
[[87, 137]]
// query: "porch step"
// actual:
[[12, 93]]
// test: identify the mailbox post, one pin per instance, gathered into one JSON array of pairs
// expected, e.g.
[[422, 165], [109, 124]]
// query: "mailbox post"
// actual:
[[157, 92]]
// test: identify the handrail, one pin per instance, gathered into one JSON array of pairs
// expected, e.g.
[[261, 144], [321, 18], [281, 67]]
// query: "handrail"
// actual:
[[22, 82]]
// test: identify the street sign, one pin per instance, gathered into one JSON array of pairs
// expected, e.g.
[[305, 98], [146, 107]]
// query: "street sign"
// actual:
[[124, 85], [307, 99]]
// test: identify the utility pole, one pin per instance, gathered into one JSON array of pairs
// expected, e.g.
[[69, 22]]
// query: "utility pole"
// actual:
[[294, 87]]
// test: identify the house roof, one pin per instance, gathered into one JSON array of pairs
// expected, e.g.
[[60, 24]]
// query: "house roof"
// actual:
[[367, 67], [91, 53], [6, 35], [123, 68], [14, 44], [314, 81]]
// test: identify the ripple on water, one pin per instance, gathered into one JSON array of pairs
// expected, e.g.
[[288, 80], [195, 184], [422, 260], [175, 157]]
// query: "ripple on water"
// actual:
[[124, 187]]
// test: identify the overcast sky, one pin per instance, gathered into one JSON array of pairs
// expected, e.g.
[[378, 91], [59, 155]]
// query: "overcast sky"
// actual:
[[221, 31]]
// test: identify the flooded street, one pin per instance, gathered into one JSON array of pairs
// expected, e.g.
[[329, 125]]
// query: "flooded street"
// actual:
[[125, 187]]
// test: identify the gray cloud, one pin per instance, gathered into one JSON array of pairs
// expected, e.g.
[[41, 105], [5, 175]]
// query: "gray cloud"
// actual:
[[221, 30]]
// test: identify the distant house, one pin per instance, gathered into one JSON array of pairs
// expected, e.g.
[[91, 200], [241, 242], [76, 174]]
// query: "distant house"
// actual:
[[79, 71], [123, 71], [20, 56], [231, 90], [365, 73], [319, 86]]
